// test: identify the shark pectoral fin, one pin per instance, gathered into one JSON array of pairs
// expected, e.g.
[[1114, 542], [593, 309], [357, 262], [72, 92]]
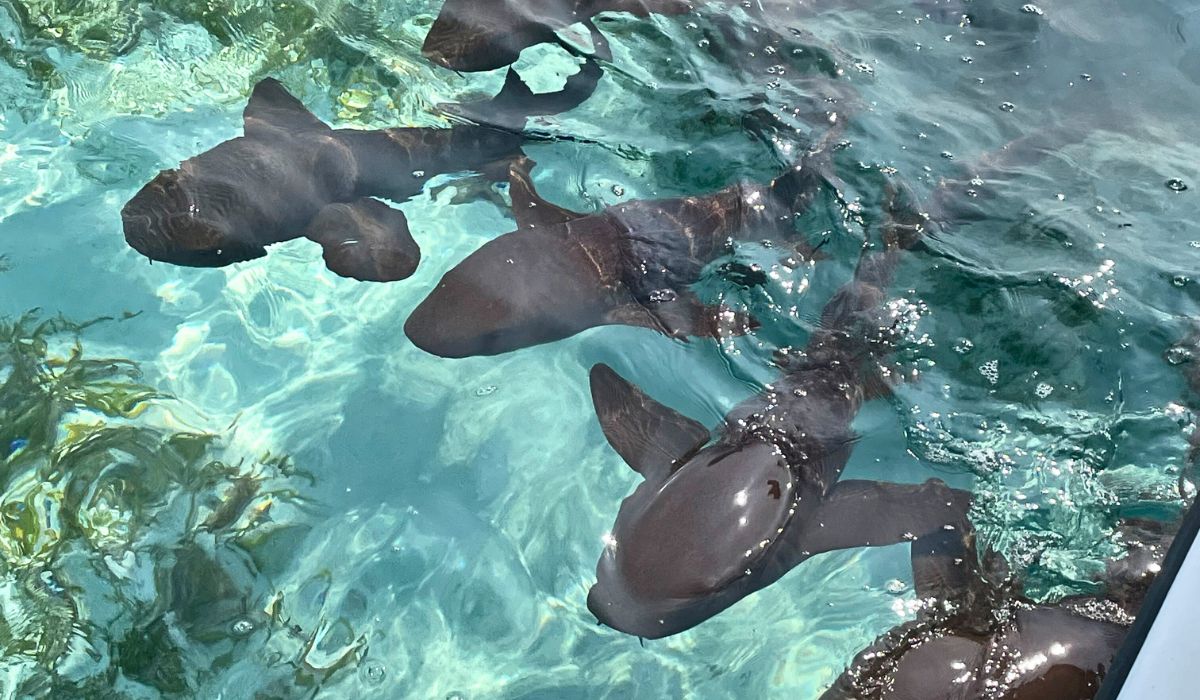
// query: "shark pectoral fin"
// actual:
[[366, 240], [859, 513], [683, 317], [528, 207], [649, 436], [271, 107]]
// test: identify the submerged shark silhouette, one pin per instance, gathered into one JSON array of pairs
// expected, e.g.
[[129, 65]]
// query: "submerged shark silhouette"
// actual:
[[479, 35], [721, 516], [562, 272], [291, 176]]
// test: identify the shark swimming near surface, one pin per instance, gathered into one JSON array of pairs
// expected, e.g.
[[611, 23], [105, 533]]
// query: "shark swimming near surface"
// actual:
[[480, 35], [290, 176], [722, 514], [993, 642], [561, 272]]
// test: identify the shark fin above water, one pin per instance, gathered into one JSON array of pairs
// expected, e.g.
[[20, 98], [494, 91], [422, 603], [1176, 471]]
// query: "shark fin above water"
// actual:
[[365, 240], [273, 107], [650, 437]]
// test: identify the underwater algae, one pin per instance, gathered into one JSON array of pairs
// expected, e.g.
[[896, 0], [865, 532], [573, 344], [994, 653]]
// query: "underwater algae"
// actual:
[[130, 552]]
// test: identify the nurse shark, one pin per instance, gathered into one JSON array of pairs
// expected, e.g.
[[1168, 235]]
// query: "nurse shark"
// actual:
[[291, 176], [996, 643], [724, 513], [562, 272]]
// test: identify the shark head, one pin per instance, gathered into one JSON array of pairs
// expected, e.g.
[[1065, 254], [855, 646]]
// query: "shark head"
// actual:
[[180, 219], [527, 287], [686, 547], [223, 205]]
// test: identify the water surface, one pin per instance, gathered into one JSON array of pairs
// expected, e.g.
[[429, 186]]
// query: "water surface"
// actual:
[[436, 525]]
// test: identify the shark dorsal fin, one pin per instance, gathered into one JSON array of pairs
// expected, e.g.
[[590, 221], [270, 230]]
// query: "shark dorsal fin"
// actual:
[[652, 438], [529, 209], [273, 107]]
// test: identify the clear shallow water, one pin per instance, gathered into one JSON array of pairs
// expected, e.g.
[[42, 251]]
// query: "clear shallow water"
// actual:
[[444, 521]]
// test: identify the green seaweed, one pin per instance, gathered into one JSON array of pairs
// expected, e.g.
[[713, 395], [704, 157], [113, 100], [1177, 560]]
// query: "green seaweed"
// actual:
[[94, 491], [40, 387]]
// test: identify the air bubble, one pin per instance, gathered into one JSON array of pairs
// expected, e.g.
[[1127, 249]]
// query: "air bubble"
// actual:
[[1007, 106], [661, 296], [1176, 185], [1032, 9], [242, 627], [1178, 355], [372, 673], [618, 190]]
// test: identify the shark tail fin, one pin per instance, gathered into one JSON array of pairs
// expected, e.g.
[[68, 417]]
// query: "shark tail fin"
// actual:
[[516, 102]]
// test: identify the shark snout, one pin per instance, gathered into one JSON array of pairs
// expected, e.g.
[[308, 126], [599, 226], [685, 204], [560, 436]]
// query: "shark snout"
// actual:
[[651, 618], [164, 222]]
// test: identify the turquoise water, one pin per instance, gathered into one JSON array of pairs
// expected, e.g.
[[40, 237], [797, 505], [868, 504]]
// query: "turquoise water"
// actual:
[[436, 527]]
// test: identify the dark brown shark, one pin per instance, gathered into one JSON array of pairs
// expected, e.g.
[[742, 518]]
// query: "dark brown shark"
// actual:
[[478, 35], [992, 641], [562, 272], [724, 513], [292, 176]]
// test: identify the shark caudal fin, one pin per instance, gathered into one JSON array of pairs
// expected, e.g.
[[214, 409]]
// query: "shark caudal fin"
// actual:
[[652, 438], [271, 107], [470, 35], [365, 240], [516, 102]]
